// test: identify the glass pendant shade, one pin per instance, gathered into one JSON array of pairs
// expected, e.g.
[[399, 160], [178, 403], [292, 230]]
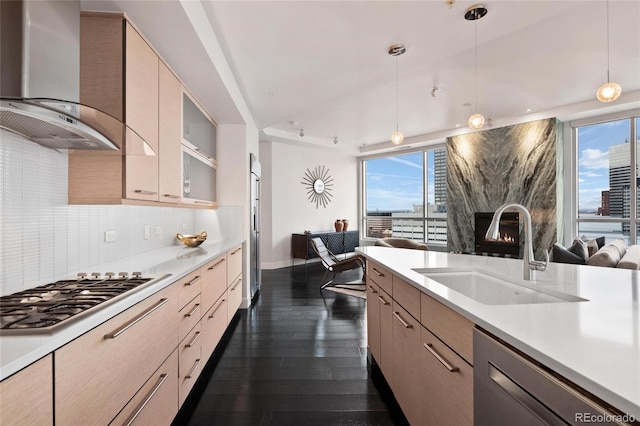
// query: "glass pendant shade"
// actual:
[[609, 92], [397, 138], [476, 121]]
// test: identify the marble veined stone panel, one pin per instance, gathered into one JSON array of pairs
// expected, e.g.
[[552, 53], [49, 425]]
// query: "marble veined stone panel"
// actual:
[[509, 164]]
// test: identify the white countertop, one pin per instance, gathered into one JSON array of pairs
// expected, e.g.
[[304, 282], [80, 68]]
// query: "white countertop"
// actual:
[[595, 344], [17, 352]]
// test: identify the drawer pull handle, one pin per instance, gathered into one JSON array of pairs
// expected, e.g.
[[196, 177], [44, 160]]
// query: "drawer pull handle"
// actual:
[[193, 341], [217, 263], [193, 310], [373, 290], [193, 281], [237, 282], [144, 192], [430, 348], [216, 309], [236, 250], [193, 370], [403, 322], [135, 320], [384, 302], [378, 273], [170, 196], [202, 202], [161, 380]]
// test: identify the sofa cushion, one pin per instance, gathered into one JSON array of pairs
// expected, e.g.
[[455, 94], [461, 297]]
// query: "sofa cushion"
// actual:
[[560, 254], [609, 255], [631, 259], [579, 248]]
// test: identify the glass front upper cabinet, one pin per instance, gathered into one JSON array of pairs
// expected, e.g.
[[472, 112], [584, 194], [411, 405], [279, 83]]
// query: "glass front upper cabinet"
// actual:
[[198, 179], [198, 130]]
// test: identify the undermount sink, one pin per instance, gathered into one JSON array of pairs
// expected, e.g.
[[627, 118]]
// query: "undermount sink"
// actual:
[[490, 290]]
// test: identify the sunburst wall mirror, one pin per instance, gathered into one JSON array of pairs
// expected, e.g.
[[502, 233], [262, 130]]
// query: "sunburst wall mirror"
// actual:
[[318, 183]]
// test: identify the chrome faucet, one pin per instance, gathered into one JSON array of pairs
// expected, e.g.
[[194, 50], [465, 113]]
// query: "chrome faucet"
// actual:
[[529, 263]]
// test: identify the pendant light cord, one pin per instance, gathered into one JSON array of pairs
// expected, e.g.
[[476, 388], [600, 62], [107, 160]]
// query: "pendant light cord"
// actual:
[[608, 48], [475, 29], [397, 94]]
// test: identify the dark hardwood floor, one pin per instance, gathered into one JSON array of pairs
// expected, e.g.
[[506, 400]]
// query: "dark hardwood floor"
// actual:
[[293, 358]]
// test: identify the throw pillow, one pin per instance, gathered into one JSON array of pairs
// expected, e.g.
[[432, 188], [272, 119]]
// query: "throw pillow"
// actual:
[[579, 248], [560, 254], [594, 245], [631, 259], [609, 255]]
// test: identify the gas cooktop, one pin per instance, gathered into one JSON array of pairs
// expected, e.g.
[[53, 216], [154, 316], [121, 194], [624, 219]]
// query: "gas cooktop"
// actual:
[[49, 307]]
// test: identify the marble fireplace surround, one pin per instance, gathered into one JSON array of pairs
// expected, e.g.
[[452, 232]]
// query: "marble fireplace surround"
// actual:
[[509, 164]]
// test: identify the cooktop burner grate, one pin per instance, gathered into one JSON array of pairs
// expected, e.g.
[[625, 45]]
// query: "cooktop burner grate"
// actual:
[[46, 307]]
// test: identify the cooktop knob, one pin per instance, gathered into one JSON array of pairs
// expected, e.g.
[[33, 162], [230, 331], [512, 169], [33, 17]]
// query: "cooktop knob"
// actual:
[[123, 274], [95, 275], [137, 274], [109, 275], [82, 275]]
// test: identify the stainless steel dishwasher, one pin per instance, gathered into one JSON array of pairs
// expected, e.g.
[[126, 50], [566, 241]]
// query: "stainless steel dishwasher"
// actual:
[[511, 389]]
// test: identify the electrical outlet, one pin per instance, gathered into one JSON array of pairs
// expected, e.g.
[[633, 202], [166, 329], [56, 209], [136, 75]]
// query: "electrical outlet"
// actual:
[[146, 232], [158, 230], [109, 236]]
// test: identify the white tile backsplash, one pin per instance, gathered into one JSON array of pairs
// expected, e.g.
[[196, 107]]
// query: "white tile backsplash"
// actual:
[[43, 239]]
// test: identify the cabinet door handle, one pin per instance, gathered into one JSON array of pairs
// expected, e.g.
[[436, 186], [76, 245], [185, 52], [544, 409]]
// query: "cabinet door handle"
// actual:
[[203, 202], [236, 250], [193, 370], [193, 341], [193, 310], [144, 192], [384, 302], [161, 380], [403, 322], [216, 309], [378, 273], [217, 263], [170, 196], [193, 281], [237, 282], [430, 348], [373, 290], [135, 320]]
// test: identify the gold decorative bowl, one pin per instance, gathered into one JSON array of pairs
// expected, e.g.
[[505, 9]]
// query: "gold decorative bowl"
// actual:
[[192, 240]]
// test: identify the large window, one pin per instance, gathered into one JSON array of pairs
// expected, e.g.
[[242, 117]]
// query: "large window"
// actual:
[[608, 196], [396, 191]]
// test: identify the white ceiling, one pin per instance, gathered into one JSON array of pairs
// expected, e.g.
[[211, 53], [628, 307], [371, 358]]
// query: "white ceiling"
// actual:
[[324, 64]]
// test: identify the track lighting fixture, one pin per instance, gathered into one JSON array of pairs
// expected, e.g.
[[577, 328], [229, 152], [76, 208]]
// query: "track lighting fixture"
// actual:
[[335, 140], [435, 90], [301, 133]]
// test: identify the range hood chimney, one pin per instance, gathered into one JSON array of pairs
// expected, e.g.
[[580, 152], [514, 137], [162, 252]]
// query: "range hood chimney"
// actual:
[[40, 79]]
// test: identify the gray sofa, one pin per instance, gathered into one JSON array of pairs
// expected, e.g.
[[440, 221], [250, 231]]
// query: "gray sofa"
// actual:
[[615, 254]]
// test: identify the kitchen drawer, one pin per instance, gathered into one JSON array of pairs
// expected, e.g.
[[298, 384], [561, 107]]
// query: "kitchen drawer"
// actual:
[[156, 403], [26, 398], [447, 396], [234, 296], [214, 281], [189, 287], [235, 264], [214, 324], [98, 373], [380, 275], [189, 362], [373, 320], [407, 295], [188, 317], [451, 327]]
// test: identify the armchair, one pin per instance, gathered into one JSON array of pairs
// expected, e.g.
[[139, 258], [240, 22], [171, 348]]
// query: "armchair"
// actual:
[[334, 265]]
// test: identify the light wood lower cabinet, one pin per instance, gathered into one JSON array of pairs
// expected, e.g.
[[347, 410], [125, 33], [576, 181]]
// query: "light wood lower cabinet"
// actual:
[[214, 324], [234, 270], [373, 317], [189, 361], [98, 373], [234, 297], [448, 379], [214, 281], [407, 380], [26, 398], [156, 403]]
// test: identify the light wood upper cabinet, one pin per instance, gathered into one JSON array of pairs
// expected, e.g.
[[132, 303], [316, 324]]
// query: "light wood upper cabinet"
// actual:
[[169, 113], [26, 398]]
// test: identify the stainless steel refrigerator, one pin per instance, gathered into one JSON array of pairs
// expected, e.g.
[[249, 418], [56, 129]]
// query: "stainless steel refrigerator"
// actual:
[[254, 239]]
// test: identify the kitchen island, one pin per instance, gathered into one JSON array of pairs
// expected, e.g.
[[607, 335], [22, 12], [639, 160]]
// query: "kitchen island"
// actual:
[[594, 343]]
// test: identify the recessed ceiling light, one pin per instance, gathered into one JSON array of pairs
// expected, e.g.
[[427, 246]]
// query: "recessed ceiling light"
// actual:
[[528, 110], [457, 124]]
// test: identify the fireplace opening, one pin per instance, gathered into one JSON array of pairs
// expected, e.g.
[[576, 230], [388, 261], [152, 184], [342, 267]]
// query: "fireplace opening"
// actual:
[[508, 244]]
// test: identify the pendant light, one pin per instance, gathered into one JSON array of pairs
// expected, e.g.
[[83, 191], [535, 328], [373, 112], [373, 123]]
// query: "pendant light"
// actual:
[[609, 91], [476, 121], [397, 50]]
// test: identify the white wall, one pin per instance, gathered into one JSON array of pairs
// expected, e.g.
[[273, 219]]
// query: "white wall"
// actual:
[[42, 239], [290, 211]]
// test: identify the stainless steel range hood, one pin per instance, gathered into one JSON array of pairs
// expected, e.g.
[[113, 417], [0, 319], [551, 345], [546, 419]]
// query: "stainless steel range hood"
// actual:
[[40, 79]]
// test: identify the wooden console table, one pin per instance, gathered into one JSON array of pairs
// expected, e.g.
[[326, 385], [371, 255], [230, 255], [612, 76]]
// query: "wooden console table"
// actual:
[[336, 242]]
